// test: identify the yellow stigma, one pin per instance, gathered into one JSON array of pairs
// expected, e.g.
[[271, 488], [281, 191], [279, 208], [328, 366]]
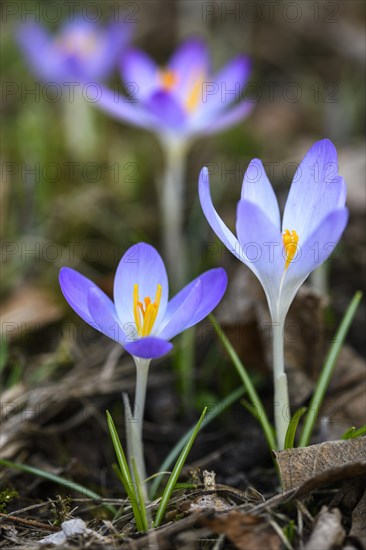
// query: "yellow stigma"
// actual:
[[145, 313], [290, 240], [195, 94], [168, 79]]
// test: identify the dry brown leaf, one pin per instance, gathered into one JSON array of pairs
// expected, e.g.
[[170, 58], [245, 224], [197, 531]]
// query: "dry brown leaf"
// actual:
[[27, 309], [245, 530], [305, 463]]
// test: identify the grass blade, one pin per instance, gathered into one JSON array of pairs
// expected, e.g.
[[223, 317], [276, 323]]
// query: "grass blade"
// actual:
[[126, 474], [140, 495], [176, 471], [353, 432], [327, 370], [292, 427], [253, 396], [174, 453], [55, 479]]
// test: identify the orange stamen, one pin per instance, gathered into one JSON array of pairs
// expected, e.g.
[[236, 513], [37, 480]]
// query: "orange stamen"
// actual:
[[145, 313], [290, 240]]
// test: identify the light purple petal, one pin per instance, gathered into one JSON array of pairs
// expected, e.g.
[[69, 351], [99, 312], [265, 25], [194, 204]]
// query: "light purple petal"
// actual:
[[183, 313], [166, 109], [316, 190], [342, 194], [149, 347], [139, 69], [75, 287], [81, 50], [207, 124], [216, 223], [213, 284], [311, 255], [319, 245], [226, 87], [261, 247], [257, 189], [104, 314], [189, 63], [141, 265], [40, 53], [126, 109], [105, 57]]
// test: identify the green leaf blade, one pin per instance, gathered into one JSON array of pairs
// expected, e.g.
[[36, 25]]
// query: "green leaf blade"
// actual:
[[176, 472]]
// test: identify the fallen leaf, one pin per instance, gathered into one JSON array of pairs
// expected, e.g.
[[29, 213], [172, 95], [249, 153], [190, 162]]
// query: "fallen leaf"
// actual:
[[305, 463], [245, 530]]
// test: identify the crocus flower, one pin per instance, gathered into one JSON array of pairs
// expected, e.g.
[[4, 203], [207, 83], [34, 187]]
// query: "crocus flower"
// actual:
[[282, 256], [314, 218], [142, 318], [184, 98], [81, 50]]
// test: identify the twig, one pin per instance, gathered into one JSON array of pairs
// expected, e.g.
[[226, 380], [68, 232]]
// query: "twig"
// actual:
[[29, 522]]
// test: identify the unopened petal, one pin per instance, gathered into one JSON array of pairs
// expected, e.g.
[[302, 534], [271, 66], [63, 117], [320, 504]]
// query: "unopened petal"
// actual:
[[257, 189], [216, 223], [261, 247], [315, 191]]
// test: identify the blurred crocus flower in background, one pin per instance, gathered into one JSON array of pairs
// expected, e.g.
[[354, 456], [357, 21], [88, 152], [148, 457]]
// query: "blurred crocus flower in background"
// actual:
[[142, 319], [82, 53], [178, 102], [282, 256], [184, 98], [81, 49]]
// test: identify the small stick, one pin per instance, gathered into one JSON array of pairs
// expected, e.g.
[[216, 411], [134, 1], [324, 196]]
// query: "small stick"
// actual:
[[30, 522]]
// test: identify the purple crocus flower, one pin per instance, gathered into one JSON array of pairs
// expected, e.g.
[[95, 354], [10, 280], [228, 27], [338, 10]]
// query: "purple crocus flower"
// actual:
[[183, 99], [313, 222], [81, 50], [282, 257], [141, 317]]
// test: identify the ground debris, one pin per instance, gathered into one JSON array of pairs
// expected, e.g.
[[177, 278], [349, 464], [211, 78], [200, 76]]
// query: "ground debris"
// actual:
[[328, 531], [244, 530]]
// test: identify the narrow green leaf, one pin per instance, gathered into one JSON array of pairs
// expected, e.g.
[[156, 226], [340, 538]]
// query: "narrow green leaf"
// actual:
[[250, 408], [174, 453], [55, 479], [253, 396], [292, 427], [353, 432], [4, 354], [327, 370], [140, 495], [125, 474], [176, 472]]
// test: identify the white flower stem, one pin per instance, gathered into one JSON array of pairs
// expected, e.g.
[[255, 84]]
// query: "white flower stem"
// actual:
[[171, 200], [135, 419], [281, 397]]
